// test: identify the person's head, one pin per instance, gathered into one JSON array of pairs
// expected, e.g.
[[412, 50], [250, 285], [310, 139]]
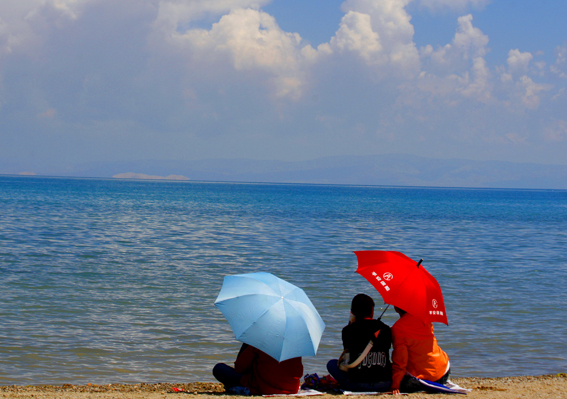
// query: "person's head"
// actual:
[[362, 306], [399, 311]]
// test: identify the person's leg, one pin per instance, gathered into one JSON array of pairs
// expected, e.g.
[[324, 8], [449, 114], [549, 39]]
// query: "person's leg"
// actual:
[[443, 380], [346, 384], [227, 375], [340, 376], [383, 386], [410, 384]]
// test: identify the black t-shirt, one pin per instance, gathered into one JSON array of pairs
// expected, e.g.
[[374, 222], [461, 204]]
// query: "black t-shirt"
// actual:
[[376, 367]]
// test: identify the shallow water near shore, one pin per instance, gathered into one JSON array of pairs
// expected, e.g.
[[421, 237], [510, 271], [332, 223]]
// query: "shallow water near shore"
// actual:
[[105, 281]]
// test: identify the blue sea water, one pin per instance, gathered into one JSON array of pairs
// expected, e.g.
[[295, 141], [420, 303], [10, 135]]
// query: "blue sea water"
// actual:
[[107, 281]]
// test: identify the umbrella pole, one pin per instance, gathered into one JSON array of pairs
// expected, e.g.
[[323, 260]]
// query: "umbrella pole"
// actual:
[[419, 263], [379, 318]]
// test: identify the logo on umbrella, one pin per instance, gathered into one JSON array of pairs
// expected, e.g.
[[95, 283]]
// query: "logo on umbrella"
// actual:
[[434, 303], [388, 276]]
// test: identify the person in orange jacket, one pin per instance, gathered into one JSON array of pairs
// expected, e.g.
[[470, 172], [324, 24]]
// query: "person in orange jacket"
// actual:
[[416, 355], [260, 373]]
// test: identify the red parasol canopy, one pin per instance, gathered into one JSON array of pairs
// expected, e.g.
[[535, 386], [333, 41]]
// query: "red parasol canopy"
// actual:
[[404, 283]]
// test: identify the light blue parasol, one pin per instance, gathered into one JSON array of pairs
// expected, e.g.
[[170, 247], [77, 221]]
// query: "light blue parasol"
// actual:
[[271, 314]]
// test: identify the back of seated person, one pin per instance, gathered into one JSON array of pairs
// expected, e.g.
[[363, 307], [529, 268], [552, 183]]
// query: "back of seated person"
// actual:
[[416, 352], [260, 373], [373, 373]]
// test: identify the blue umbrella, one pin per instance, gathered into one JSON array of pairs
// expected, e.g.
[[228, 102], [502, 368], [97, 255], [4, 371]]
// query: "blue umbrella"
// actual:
[[271, 314]]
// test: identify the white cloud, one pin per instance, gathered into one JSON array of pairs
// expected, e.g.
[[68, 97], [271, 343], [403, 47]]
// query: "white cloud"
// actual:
[[560, 66], [67, 7], [518, 61], [556, 131], [50, 113], [506, 77], [515, 138], [540, 67], [468, 43], [470, 40], [453, 4], [23, 23], [560, 94], [531, 90], [381, 33], [174, 15], [14, 30], [356, 34], [478, 86], [462, 61], [253, 41], [187, 70]]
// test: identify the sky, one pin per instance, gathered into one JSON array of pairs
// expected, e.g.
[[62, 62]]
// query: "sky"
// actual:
[[105, 80]]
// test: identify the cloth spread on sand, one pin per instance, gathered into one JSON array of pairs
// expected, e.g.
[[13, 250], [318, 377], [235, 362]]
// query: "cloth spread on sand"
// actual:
[[431, 387], [451, 385], [302, 392], [416, 351], [351, 393], [266, 376]]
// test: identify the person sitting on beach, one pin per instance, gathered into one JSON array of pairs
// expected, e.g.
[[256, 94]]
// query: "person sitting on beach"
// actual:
[[260, 373], [416, 355], [367, 342]]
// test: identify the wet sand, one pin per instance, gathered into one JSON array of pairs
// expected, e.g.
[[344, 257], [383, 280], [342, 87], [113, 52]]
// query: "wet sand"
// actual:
[[546, 386]]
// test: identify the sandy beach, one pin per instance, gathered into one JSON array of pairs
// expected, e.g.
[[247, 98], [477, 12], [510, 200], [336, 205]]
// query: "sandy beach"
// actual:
[[545, 386]]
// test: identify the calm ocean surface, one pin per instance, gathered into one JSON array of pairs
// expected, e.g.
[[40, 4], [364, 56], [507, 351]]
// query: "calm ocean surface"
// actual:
[[108, 281]]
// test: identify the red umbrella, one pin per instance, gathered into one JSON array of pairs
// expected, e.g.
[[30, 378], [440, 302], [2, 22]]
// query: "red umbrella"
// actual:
[[404, 283]]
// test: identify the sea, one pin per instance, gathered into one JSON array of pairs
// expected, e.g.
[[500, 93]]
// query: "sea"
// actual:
[[114, 281]]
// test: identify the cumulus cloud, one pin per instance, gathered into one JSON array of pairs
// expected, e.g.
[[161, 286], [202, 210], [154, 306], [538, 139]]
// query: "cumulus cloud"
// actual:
[[356, 34], [470, 40], [252, 40], [177, 15], [518, 61], [453, 4], [477, 83], [189, 70], [22, 23], [560, 66], [515, 138], [531, 90], [380, 32], [469, 43], [50, 113], [556, 131], [462, 61]]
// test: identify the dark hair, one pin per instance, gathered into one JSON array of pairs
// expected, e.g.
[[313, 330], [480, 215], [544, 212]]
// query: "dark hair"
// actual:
[[362, 306]]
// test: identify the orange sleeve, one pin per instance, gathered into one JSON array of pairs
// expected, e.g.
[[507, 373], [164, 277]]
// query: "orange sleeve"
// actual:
[[399, 361]]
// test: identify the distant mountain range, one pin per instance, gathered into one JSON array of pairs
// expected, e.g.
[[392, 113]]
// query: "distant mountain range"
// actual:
[[391, 170]]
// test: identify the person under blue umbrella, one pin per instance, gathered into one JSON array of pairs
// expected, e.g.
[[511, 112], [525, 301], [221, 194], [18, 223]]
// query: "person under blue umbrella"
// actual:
[[257, 373], [278, 325]]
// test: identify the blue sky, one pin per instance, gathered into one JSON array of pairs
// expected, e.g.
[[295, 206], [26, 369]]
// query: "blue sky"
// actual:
[[105, 81]]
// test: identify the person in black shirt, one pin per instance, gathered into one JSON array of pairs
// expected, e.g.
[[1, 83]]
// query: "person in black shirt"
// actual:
[[367, 368]]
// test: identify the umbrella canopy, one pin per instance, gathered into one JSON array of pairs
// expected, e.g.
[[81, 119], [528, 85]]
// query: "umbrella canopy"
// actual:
[[271, 314], [404, 283]]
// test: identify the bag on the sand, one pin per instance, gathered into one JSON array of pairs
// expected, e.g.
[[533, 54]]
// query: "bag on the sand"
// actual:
[[313, 381]]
